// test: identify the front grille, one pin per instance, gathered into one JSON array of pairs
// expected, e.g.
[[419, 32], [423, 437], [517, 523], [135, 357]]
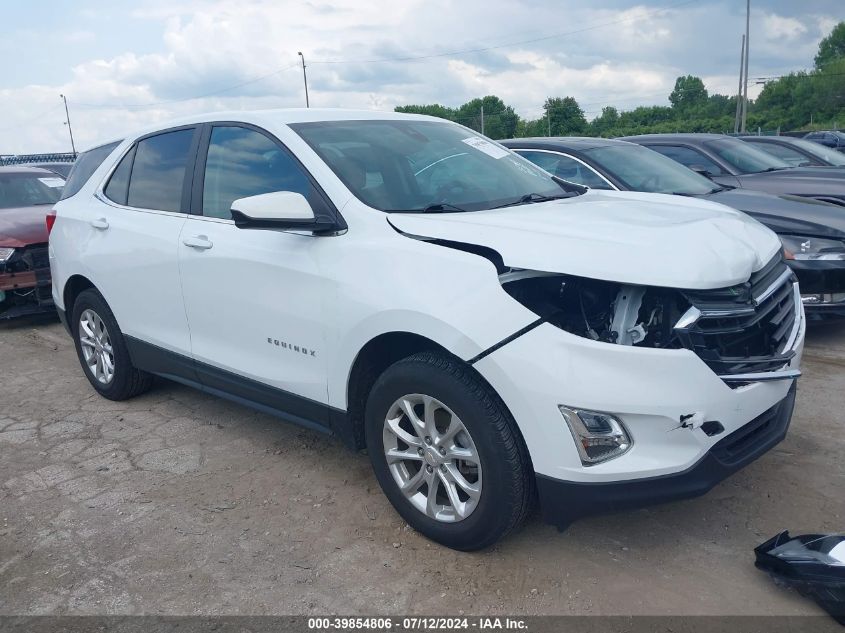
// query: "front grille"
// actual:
[[745, 328], [756, 436]]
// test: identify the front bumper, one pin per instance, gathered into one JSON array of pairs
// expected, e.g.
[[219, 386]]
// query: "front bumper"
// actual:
[[25, 286], [820, 283], [24, 294], [562, 502]]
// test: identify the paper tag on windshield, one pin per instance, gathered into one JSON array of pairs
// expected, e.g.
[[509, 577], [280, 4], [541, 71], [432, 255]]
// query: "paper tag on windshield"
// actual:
[[486, 146], [53, 182]]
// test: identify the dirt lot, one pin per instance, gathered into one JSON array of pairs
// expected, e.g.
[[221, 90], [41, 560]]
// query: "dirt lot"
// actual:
[[181, 503]]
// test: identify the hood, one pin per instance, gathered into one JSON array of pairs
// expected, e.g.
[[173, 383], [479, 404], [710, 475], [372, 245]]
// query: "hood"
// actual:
[[821, 171], [636, 238], [798, 181], [22, 226], [786, 214]]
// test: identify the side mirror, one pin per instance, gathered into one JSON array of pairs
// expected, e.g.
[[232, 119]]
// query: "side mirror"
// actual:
[[278, 210], [701, 169]]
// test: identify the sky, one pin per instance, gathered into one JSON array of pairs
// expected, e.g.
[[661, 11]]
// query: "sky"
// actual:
[[124, 65]]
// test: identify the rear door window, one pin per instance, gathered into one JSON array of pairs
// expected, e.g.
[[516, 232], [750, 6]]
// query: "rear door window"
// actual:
[[158, 172], [85, 166]]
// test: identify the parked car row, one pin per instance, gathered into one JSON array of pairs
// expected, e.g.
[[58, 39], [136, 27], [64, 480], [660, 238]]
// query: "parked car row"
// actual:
[[731, 162]]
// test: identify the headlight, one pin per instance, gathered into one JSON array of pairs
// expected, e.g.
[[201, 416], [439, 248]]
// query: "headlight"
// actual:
[[6, 253], [598, 436], [812, 248]]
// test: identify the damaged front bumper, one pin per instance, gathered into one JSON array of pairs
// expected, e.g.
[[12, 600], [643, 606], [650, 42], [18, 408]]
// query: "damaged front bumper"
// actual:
[[25, 287], [651, 392], [562, 502]]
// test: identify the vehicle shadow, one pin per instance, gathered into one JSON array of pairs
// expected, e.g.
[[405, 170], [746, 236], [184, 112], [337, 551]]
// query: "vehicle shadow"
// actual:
[[33, 320]]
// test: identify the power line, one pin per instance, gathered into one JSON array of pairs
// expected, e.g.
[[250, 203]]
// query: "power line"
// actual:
[[797, 75], [483, 49], [389, 59], [201, 96], [32, 118]]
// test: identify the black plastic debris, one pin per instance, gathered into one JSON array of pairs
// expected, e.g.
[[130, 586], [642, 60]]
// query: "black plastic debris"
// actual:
[[814, 564]]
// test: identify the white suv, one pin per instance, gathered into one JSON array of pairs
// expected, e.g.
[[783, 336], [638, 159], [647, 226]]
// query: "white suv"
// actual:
[[489, 333]]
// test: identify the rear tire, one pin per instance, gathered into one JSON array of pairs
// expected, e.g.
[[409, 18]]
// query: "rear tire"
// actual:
[[432, 423], [101, 349]]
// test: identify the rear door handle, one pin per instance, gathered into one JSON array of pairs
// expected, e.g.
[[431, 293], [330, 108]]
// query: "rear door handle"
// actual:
[[100, 223], [200, 242]]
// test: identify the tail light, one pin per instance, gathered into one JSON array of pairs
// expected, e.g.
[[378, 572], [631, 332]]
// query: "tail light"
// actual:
[[51, 220]]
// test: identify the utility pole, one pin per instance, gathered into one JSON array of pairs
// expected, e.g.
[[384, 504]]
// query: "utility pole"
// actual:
[[549, 121], [739, 93], [304, 79], [482, 119], [747, 46], [69, 129]]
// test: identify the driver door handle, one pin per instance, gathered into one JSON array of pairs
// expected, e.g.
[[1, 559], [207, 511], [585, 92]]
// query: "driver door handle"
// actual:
[[199, 242]]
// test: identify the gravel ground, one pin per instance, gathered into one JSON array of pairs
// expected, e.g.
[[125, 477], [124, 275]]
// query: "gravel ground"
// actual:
[[181, 503]]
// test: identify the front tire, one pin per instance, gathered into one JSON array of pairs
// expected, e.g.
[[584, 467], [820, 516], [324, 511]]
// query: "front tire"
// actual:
[[102, 350], [447, 452]]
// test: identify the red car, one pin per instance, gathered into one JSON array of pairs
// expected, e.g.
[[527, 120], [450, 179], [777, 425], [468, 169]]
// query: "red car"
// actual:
[[26, 196]]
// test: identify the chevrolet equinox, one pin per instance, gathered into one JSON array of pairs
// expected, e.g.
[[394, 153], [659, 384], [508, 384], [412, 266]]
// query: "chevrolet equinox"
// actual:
[[491, 334]]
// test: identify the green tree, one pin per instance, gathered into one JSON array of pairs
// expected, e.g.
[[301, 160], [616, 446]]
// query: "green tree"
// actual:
[[832, 47], [688, 94], [500, 120], [606, 121], [433, 109], [565, 117]]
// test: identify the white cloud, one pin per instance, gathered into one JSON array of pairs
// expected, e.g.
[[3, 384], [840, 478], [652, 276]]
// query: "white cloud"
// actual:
[[776, 27], [600, 55]]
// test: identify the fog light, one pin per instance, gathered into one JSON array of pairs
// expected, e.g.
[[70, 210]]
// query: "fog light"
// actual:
[[598, 436]]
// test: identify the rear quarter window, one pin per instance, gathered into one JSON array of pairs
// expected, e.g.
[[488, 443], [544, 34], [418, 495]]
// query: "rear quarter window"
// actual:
[[84, 167]]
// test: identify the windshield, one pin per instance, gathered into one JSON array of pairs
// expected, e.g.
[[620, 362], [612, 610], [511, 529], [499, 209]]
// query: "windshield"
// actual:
[[26, 190], [416, 166], [745, 158], [828, 155], [642, 169]]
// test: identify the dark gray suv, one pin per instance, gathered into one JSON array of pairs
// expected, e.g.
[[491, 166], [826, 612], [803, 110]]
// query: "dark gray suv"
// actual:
[[731, 162]]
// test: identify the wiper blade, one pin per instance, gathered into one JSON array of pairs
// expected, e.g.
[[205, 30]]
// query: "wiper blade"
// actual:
[[533, 197], [573, 188], [442, 207]]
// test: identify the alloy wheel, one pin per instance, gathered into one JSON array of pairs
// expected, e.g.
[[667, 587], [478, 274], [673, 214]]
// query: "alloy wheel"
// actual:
[[432, 458], [96, 346]]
